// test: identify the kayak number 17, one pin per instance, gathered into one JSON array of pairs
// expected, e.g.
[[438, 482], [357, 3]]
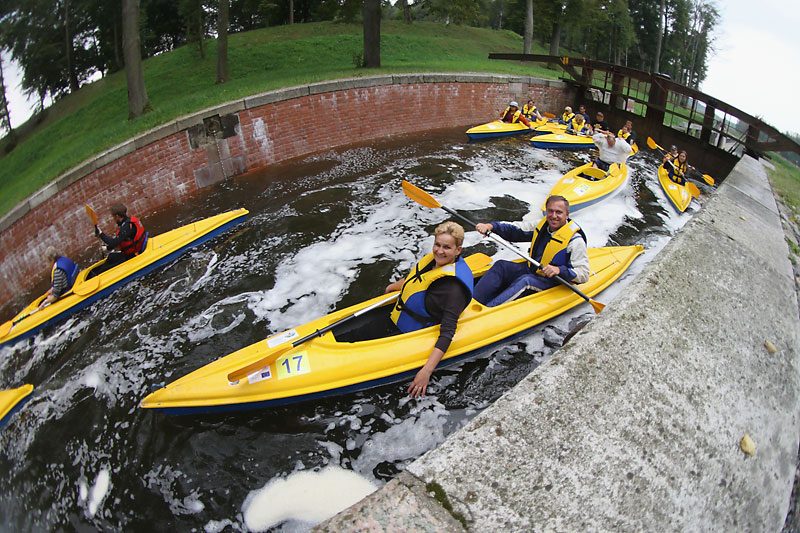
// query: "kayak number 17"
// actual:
[[292, 365]]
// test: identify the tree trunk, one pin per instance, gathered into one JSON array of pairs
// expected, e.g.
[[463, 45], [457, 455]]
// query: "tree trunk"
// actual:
[[662, 13], [528, 38], [199, 28], [71, 73], [555, 39], [138, 104], [222, 42], [372, 33], [5, 116], [291, 11]]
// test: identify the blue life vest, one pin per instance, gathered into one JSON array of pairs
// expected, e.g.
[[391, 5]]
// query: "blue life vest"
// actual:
[[69, 268], [409, 313]]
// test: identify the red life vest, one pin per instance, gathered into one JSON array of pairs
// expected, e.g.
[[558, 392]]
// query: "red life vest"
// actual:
[[133, 247]]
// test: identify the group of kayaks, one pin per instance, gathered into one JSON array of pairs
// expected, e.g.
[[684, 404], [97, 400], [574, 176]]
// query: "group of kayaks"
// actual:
[[325, 357], [546, 134]]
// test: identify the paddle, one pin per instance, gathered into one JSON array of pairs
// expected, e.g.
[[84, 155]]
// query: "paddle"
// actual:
[[693, 189], [426, 200], [475, 261], [92, 214], [548, 115], [708, 179]]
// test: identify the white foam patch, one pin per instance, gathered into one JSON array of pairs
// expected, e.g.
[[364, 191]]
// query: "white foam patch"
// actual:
[[423, 430], [305, 496], [98, 492]]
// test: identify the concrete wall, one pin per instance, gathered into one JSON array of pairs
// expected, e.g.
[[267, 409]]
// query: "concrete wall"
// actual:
[[167, 164], [636, 424]]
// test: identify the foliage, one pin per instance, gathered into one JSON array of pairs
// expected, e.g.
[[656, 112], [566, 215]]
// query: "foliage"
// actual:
[[785, 179]]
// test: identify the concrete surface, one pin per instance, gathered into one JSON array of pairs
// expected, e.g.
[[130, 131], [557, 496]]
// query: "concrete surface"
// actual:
[[636, 424]]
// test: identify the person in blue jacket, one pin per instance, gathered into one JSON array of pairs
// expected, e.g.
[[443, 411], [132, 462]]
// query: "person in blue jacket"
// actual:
[[557, 243], [62, 276]]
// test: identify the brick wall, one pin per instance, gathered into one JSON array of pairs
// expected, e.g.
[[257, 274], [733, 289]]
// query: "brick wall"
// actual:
[[166, 165]]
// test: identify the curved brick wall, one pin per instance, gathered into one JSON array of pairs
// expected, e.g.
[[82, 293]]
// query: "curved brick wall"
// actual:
[[174, 161]]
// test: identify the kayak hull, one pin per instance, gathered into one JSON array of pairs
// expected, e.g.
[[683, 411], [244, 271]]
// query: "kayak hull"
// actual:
[[11, 401], [582, 191], [678, 195], [562, 141], [497, 128], [159, 251], [327, 365], [550, 127]]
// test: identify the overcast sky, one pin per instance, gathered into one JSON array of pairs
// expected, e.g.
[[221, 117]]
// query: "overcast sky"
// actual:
[[755, 67]]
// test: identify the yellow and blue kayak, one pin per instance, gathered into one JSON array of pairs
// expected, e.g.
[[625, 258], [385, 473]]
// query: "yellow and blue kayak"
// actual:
[[11, 401], [587, 185], [678, 195], [562, 141], [549, 127], [158, 251], [338, 362], [498, 128]]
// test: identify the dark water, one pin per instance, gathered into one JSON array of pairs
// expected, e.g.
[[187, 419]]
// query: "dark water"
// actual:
[[324, 232]]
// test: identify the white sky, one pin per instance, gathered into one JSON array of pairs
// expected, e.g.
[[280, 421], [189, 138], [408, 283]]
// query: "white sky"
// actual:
[[755, 67]]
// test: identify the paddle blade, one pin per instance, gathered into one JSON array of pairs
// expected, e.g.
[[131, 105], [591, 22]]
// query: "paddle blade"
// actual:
[[651, 143], [708, 179], [419, 196], [693, 189], [597, 306], [92, 214], [262, 363], [548, 115]]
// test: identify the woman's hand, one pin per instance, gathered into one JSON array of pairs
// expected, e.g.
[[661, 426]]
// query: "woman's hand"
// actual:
[[419, 386]]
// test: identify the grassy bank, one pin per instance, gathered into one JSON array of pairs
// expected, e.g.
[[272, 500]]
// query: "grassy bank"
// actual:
[[181, 82], [785, 181]]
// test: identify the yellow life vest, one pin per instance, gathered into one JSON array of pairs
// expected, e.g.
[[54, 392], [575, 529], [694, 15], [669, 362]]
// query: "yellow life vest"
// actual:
[[514, 119], [622, 135], [409, 313], [528, 112], [566, 117], [573, 124], [555, 251]]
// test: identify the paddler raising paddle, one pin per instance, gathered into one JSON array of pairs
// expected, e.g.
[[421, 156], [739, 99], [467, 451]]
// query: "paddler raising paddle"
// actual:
[[436, 291], [127, 242]]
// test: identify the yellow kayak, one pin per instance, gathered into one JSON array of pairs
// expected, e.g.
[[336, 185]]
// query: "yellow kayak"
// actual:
[[562, 141], [586, 185], [498, 128], [549, 127], [678, 195], [334, 363], [10, 401], [158, 251]]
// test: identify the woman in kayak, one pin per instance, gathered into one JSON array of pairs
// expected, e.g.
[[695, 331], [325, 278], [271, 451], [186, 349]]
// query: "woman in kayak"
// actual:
[[512, 114], [677, 167], [436, 291]]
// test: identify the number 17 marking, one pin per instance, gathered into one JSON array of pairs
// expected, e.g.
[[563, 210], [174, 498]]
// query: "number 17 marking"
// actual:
[[293, 365]]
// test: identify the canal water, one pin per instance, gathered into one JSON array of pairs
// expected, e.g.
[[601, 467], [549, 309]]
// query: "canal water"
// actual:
[[324, 232]]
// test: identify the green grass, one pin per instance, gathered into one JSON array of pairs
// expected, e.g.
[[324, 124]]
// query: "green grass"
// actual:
[[95, 118], [785, 180]]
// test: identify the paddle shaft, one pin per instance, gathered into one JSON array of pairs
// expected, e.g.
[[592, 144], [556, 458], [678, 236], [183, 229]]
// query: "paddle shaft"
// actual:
[[264, 361], [528, 258]]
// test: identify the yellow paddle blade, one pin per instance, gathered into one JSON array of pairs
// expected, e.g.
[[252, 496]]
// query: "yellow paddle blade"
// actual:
[[693, 189], [243, 372], [5, 328], [708, 179], [419, 196], [597, 306], [652, 144], [92, 214], [634, 149], [548, 115], [87, 287]]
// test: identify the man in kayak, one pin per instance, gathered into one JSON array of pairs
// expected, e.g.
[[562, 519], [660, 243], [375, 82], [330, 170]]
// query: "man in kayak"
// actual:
[[612, 150], [582, 111], [512, 114], [557, 242], [566, 116], [626, 132], [436, 291], [600, 123], [577, 126], [529, 111], [62, 276], [127, 242]]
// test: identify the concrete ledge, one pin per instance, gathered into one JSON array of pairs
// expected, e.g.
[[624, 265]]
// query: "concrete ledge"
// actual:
[[636, 424]]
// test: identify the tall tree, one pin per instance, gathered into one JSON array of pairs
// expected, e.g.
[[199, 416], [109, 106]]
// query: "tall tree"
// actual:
[[222, 42], [661, 26], [5, 116], [372, 33], [138, 103], [527, 40]]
